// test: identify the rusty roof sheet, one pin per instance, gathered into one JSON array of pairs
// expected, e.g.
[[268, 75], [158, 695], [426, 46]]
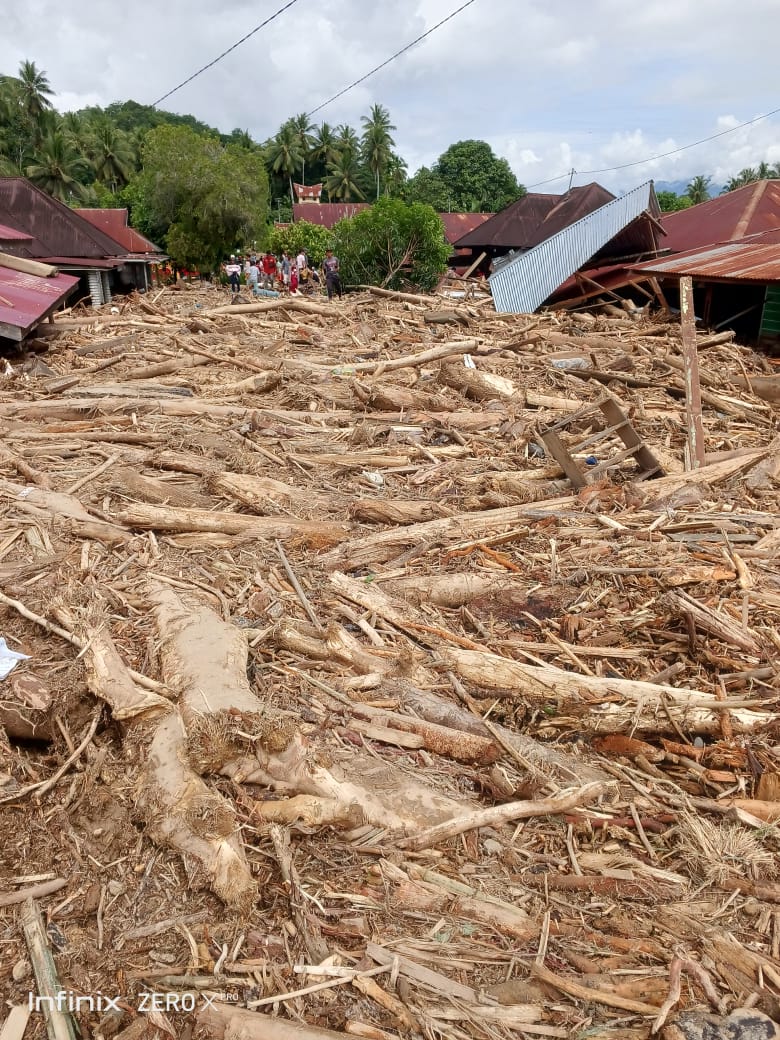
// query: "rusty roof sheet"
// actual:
[[326, 214], [55, 229], [26, 299], [114, 223], [746, 211], [752, 259], [456, 225], [9, 234]]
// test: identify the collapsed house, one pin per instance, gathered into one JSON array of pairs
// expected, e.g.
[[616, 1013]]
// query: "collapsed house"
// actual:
[[29, 292], [83, 246]]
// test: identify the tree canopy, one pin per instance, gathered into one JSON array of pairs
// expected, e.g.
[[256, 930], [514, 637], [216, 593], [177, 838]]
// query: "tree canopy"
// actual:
[[470, 176], [209, 197], [392, 244]]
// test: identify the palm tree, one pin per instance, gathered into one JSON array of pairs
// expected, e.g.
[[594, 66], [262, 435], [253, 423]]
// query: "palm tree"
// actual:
[[342, 180], [111, 154], [284, 154], [395, 174], [34, 89], [377, 140], [763, 171], [347, 140], [746, 176], [303, 128], [57, 167], [699, 189]]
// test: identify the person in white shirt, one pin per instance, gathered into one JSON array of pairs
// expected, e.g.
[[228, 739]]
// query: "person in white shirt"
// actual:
[[300, 261]]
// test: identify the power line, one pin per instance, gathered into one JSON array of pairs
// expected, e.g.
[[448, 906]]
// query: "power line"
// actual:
[[662, 155], [238, 43], [392, 57]]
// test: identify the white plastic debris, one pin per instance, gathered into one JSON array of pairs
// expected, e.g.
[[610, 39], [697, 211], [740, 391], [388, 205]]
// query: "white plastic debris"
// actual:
[[374, 478], [9, 659], [468, 361]]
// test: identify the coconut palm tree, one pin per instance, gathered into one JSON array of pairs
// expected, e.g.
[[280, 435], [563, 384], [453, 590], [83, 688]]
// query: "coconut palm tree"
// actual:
[[377, 140], [343, 177], [111, 155], [699, 189], [284, 154], [57, 168], [746, 176], [347, 140], [303, 128], [34, 90]]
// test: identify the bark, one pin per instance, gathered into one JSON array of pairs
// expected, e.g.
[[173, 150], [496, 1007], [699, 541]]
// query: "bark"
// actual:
[[46, 504], [398, 398], [266, 496], [379, 511], [157, 492], [479, 386], [165, 518], [463, 527], [604, 705]]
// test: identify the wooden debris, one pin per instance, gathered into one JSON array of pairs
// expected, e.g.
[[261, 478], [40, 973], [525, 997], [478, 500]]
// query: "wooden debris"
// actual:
[[343, 709]]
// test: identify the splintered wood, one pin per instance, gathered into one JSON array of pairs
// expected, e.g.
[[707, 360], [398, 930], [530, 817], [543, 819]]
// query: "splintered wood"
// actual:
[[348, 713]]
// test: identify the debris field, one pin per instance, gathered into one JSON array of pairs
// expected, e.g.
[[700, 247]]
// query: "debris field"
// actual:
[[357, 704]]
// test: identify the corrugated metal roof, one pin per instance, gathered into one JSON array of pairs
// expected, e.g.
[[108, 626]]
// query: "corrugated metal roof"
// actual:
[[746, 211], [752, 259], [9, 234], [527, 280], [114, 223], [56, 230], [26, 299], [326, 214], [535, 218], [458, 224]]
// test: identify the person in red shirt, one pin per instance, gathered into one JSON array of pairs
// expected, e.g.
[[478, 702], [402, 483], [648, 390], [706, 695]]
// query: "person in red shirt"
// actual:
[[269, 270]]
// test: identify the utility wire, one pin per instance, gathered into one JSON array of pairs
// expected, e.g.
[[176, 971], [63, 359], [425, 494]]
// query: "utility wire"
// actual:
[[392, 57], [238, 43], [663, 155]]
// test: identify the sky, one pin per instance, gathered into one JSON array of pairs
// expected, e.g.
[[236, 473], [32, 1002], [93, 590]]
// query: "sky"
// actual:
[[552, 85]]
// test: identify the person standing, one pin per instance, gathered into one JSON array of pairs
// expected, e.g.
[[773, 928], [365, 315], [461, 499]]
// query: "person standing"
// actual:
[[253, 277], [285, 265], [233, 271], [300, 262], [330, 265]]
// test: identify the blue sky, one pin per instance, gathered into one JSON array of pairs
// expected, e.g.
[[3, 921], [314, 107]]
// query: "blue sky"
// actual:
[[551, 85]]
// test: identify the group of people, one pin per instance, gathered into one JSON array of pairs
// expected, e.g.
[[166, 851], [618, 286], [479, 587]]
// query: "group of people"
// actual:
[[268, 274]]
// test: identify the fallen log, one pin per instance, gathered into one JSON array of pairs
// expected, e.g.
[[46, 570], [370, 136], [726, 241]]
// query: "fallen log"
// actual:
[[603, 705], [479, 386], [462, 527], [141, 516], [158, 492], [48, 504]]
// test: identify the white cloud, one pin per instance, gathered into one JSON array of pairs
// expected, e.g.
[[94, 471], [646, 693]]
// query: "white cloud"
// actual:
[[535, 79]]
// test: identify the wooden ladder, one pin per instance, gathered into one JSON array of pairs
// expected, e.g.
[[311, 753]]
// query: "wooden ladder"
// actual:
[[617, 423]]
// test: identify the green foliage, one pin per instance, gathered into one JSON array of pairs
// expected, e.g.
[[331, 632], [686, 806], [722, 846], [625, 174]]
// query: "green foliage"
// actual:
[[313, 239], [206, 195], [130, 116], [479, 182], [669, 202], [58, 169], [393, 244], [426, 186], [698, 190]]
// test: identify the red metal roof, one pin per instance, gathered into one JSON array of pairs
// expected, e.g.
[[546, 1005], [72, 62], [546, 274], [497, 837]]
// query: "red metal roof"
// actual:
[[326, 214], [54, 229], [456, 225], [752, 259], [9, 234], [26, 299], [114, 223], [746, 211]]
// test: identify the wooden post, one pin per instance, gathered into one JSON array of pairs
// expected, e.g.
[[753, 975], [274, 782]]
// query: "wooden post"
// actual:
[[692, 385]]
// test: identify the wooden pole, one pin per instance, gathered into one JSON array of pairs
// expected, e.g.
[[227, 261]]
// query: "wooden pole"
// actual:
[[20, 263], [692, 386]]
